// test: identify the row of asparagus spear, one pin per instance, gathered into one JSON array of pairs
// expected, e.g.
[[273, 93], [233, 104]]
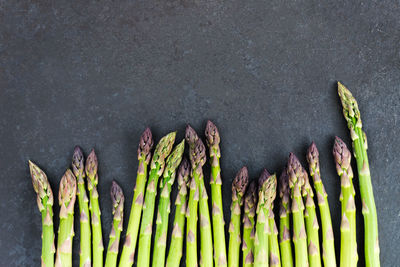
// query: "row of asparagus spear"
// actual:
[[256, 237]]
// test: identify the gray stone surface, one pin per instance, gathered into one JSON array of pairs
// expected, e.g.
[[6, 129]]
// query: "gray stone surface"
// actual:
[[96, 74]]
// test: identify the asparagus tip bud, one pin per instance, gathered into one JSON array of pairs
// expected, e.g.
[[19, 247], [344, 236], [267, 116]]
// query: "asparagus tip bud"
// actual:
[[117, 195], [91, 164], [341, 153], [212, 134], [267, 190], [240, 182], [184, 171], [77, 161], [67, 191], [251, 194], [175, 158], [263, 177], [295, 171], [283, 183], [199, 154], [145, 145], [40, 184]]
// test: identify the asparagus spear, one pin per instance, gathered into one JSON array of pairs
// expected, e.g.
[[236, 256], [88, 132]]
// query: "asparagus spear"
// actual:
[[45, 202], [285, 243], [197, 158], [265, 194], [213, 139], [352, 115], [66, 199], [310, 216], [250, 201], [176, 246], [144, 155], [238, 189], [157, 165], [348, 242], [78, 168], [328, 246], [94, 207], [296, 181], [273, 244], [160, 242], [117, 199]]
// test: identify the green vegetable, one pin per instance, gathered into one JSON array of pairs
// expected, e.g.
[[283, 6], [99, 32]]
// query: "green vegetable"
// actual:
[[250, 202]]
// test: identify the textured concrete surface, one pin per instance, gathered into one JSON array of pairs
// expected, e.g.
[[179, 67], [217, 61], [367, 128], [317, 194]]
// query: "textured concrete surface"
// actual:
[[96, 74]]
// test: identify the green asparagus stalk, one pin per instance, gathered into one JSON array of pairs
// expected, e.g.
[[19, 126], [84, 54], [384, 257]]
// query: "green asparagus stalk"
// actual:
[[352, 115], [176, 246], [285, 243], [78, 168], [117, 199], [45, 202], [197, 158], [238, 189], [206, 242], [296, 181], [328, 246], [66, 199], [312, 226], [94, 207], [144, 156], [265, 195], [348, 241], [163, 149], [213, 140], [250, 202], [273, 244], [160, 242]]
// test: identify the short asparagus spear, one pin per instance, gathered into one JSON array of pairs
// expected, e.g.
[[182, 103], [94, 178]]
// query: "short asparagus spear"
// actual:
[[273, 244], [176, 246], [163, 149], [117, 199], [144, 156], [352, 115], [296, 181], [285, 242], [66, 199], [78, 168], [250, 202], [160, 242], [94, 207], [238, 189], [197, 158], [312, 226], [218, 222], [265, 194], [45, 202], [328, 246], [348, 242]]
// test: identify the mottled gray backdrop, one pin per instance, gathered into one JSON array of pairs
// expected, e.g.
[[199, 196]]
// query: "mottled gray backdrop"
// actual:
[[96, 74]]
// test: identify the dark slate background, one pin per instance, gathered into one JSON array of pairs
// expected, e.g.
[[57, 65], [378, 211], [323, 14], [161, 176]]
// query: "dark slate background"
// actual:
[[96, 74]]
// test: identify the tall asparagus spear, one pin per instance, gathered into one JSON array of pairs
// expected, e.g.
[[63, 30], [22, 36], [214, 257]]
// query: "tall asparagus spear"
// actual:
[[352, 115], [66, 199], [328, 246], [176, 246], [117, 199], [265, 194], [78, 168], [197, 158], [348, 242], [250, 202], [213, 139], [144, 156], [157, 165], [238, 189], [196, 149], [312, 226], [285, 243], [296, 181], [160, 242], [45, 202], [94, 207], [273, 244]]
